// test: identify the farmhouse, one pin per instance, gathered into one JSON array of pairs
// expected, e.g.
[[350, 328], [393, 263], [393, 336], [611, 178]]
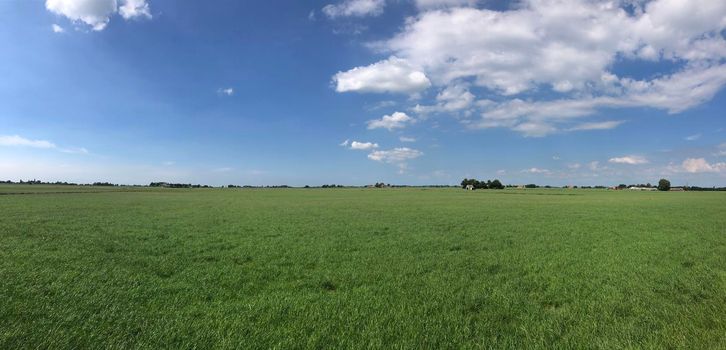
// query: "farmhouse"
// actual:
[[469, 187]]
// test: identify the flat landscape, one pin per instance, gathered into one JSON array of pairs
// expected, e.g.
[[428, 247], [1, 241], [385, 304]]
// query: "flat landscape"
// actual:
[[91, 267]]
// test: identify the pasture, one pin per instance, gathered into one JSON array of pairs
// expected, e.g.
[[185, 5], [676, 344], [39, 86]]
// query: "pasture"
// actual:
[[361, 268]]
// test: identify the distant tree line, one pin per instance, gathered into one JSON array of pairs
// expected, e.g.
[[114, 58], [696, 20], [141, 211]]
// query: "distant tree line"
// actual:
[[663, 185], [489, 184], [177, 185]]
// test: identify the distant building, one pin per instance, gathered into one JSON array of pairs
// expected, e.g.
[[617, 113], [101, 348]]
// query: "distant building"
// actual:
[[635, 188], [469, 187], [677, 189]]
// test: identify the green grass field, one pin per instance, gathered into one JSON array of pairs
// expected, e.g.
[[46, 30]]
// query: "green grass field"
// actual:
[[361, 268]]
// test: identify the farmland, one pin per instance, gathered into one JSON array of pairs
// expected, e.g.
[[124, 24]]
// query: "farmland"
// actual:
[[361, 268]]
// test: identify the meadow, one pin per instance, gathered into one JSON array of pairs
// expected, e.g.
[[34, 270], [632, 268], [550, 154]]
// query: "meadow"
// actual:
[[361, 268]]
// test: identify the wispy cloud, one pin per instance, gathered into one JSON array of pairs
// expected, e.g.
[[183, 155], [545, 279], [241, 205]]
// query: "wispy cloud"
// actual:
[[397, 156], [693, 137], [536, 171], [597, 125], [631, 160], [19, 141]]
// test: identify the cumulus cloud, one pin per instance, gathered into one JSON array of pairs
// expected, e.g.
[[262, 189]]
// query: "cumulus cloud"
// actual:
[[407, 139], [394, 75], [397, 156], [564, 44], [355, 8], [453, 98], [355, 145], [135, 9], [565, 48], [632, 160], [58, 29], [397, 120], [700, 165], [226, 91], [97, 13]]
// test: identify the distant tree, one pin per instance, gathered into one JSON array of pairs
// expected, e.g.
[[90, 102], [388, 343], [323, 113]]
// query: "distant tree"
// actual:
[[530, 186], [664, 185], [496, 184]]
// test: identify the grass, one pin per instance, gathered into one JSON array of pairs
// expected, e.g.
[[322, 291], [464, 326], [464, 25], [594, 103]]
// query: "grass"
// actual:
[[361, 268]]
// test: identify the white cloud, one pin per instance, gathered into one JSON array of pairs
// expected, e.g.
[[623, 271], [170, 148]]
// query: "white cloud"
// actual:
[[632, 160], [344, 143], [74, 150], [406, 139], [594, 166], [597, 125], [693, 137], [536, 171], [226, 91], [397, 120], [566, 44], [355, 145], [562, 49], [18, 141], [534, 129], [438, 4], [453, 98], [398, 156], [58, 29], [97, 13], [700, 165], [721, 151], [392, 75], [135, 9], [673, 93], [355, 8]]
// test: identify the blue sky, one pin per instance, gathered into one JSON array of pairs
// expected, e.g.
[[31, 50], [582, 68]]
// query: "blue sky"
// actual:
[[360, 91]]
